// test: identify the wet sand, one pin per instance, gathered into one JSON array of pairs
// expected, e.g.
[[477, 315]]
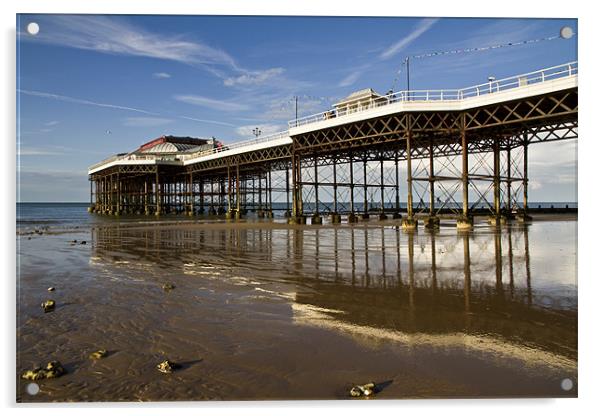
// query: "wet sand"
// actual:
[[264, 310]]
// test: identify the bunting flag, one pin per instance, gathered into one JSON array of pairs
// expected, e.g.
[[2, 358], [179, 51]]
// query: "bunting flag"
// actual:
[[469, 50]]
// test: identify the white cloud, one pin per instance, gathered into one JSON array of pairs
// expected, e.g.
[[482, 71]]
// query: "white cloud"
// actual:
[[36, 151], [145, 121], [419, 29], [201, 120], [212, 103], [80, 101], [51, 123], [119, 37], [350, 79], [253, 77], [266, 129]]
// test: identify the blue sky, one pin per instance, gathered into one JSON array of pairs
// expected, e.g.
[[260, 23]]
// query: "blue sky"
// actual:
[[91, 86]]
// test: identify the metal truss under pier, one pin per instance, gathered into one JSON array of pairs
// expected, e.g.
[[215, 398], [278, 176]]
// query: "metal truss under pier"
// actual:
[[426, 156]]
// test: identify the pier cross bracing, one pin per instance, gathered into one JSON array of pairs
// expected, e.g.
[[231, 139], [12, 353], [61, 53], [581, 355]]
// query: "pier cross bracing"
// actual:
[[463, 152]]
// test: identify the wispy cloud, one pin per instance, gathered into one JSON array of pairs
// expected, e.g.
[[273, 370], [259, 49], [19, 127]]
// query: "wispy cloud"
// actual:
[[161, 75], [118, 36], [351, 78], [253, 78], [146, 121], [202, 120], [137, 121], [419, 29], [221, 105], [266, 129], [80, 101], [37, 151]]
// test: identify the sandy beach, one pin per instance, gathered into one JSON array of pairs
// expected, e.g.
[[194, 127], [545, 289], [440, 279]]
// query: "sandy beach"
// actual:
[[264, 310]]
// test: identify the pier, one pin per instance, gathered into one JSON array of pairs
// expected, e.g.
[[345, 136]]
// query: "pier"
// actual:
[[462, 151]]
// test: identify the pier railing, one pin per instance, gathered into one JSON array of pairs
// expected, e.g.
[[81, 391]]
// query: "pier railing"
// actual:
[[442, 95], [188, 156], [237, 145]]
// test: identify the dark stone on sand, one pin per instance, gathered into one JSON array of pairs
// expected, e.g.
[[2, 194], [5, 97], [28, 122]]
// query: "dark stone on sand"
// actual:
[[98, 354], [48, 305], [53, 369], [363, 390], [167, 366], [168, 286], [83, 242]]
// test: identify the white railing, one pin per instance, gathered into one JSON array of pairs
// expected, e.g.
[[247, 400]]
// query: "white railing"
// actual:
[[134, 157], [491, 87], [188, 156], [237, 145]]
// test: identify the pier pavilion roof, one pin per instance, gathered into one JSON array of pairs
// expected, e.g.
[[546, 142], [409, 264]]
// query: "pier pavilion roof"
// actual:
[[174, 144]]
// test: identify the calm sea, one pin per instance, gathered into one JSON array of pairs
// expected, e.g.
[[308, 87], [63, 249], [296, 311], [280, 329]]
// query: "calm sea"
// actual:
[[75, 214]]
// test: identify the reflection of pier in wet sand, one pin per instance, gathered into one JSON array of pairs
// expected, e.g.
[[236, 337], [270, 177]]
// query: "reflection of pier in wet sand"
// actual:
[[476, 284]]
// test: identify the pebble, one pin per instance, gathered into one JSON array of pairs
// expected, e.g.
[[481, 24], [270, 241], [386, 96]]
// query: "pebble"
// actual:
[[51, 289], [167, 366], [98, 354], [362, 390], [168, 286], [48, 306], [53, 369]]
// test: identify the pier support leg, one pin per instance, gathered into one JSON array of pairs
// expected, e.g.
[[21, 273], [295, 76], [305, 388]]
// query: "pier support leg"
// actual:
[[287, 212], [352, 218], [229, 196], [432, 221], [365, 215], [497, 218], [409, 223], [335, 217], [397, 213], [157, 193], [382, 216], [465, 222], [297, 216], [269, 213], [190, 207], [316, 218], [146, 207], [260, 212], [524, 216], [201, 195]]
